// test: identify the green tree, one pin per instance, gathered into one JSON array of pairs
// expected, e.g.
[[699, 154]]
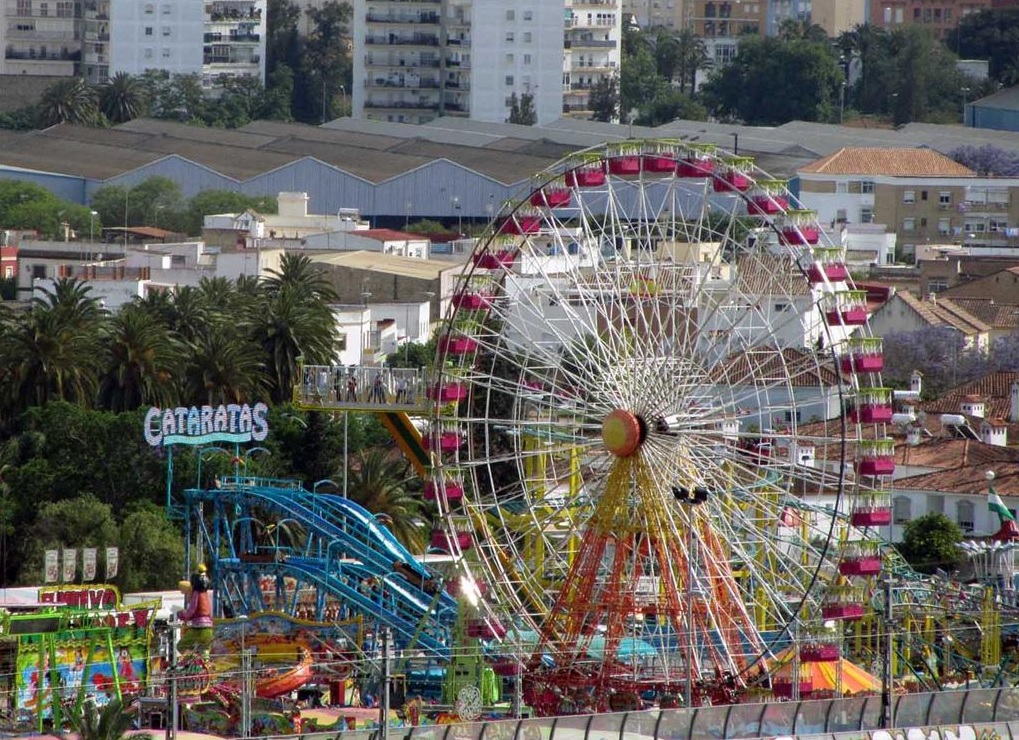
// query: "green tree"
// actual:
[[522, 110], [122, 98], [771, 82], [111, 722], [225, 366], [82, 521], [791, 29], [279, 94], [211, 202], [991, 34], [604, 100], [142, 362], [639, 80], [152, 550], [380, 482], [668, 106], [69, 101], [327, 65], [931, 542]]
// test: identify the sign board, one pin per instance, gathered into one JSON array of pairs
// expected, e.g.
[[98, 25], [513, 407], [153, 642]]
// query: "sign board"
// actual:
[[231, 422]]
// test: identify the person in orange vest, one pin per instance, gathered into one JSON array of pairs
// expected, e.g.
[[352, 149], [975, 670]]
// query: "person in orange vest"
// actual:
[[197, 615]]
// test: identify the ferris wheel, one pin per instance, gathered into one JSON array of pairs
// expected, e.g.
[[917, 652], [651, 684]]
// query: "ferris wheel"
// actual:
[[658, 426]]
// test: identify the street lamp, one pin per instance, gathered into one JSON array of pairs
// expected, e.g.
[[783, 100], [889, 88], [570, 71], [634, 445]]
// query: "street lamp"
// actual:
[[459, 215], [965, 90], [91, 231], [735, 143]]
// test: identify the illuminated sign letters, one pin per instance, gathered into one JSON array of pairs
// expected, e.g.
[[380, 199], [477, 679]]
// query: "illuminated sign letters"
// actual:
[[229, 422]]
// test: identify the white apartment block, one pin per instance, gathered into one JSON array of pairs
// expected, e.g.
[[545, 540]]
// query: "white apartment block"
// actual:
[[416, 60], [593, 50], [98, 38], [41, 37], [151, 34], [670, 14]]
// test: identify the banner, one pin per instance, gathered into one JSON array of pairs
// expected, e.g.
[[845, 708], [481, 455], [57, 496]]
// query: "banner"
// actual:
[[70, 565], [52, 574], [111, 563], [88, 564]]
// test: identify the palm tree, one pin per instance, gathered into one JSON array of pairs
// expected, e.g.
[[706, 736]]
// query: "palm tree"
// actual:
[[691, 56], [69, 101], [793, 30], [298, 273], [122, 98], [224, 367], [380, 483], [109, 723], [143, 360]]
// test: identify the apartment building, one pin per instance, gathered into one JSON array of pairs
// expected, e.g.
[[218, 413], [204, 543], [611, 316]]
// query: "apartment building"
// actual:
[[720, 23], [670, 14], [416, 60], [940, 16], [98, 38], [922, 196], [41, 37]]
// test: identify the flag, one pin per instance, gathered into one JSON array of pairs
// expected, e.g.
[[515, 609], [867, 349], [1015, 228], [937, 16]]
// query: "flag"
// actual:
[[995, 504], [112, 559], [52, 566], [88, 564], [70, 565]]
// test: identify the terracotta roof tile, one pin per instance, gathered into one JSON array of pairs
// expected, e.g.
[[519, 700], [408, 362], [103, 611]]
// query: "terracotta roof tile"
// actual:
[[944, 312], [768, 362], [995, 315], [887, 162], [994, 388], [966, 479]]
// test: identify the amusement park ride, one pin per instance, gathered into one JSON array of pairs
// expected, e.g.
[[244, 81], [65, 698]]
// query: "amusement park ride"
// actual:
[[657, 444]]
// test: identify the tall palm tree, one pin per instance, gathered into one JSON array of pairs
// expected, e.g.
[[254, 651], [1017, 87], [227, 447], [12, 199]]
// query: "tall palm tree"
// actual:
[[143, 361], [286, 327], [380, 483], [224, 367], [69, 101], [70, 298], [691, 56], [122, 98], [298, 273], [109, 723]]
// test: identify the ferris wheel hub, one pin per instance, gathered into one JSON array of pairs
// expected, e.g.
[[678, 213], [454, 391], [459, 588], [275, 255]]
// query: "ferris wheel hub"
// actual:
[[623, 432]]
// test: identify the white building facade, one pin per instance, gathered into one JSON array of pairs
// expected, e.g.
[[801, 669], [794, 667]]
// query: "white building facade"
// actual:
[[416, 60], [156, 34]]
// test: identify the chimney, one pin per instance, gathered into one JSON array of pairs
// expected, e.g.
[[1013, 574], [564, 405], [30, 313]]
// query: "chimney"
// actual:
[[1013, 414], [913, 435], [994, 433], [916, 382]]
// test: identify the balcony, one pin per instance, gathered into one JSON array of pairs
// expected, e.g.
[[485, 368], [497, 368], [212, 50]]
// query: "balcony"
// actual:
[[401, 105], [404, 84], [405, 18], [57, 56], [582, 43], [371, 61], [244, 38], [394, 40], [595, 4]]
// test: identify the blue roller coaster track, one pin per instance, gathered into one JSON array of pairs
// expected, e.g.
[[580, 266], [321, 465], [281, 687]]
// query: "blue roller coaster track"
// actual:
[[272, 545]]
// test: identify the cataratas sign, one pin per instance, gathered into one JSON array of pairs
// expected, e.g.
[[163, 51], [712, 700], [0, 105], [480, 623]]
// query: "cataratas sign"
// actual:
[[231, 422]]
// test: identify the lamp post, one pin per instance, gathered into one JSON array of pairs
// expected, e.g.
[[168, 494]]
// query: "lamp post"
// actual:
[[91, 231], [343, 100], [842, 103], [965, 91], [459, 216]]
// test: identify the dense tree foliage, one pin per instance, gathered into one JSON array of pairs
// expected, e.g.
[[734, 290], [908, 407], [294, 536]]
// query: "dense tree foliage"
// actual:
[[991, 34], [931, 542], [522, 110], [771, 82], [987, 160]]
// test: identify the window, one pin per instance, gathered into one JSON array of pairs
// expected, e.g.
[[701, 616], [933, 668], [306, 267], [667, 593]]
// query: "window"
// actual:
[[509, 36], [945, 198], [166, 53], [148, 53], [528, 15], [964, 515], [148, 30], [527, 37], [24, 7], [937, 285], [511, 15], [166, 9], [527, 58], [909, 224], [867, 186], [149, 8], [944, 226], [509, 80], [866, 215], [902, 510], [842, 187], [44, 9], [509, 59], [909, 196], [65, 10], [923, 195], [166, 31]]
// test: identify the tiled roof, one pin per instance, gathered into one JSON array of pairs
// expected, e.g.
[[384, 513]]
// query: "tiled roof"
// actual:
[[977, 287], [943, 312], [887, 162], [763, 363], [994, 388], [948, 453], [966, 479], [995, 315], [770, 274]]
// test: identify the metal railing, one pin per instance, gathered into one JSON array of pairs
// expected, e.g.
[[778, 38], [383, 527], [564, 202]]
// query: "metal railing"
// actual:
[[986, 711]]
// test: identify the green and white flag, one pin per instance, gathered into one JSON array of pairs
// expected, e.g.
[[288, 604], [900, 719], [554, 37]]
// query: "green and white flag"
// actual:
[[996, 505]]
